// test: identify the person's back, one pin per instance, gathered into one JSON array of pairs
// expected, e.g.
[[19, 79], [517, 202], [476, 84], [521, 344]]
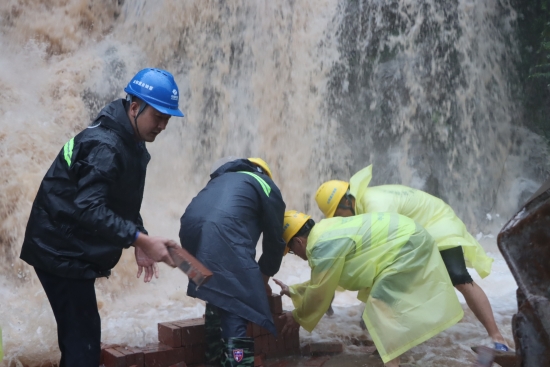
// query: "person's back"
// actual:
[[393, 264], [228, 198], [432, 213], [418, 205], [457, 247], [221, 228]]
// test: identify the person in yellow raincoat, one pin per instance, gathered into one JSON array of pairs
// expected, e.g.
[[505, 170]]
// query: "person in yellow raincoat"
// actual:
[[393, 263], [457, 247]]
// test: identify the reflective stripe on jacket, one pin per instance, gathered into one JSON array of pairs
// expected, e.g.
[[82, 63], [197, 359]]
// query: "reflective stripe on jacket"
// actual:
[[87, 207], [395, 266], [222, 226]]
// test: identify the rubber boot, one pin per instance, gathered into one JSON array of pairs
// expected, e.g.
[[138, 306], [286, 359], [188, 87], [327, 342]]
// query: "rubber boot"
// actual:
[[239, 352], [213, 335]]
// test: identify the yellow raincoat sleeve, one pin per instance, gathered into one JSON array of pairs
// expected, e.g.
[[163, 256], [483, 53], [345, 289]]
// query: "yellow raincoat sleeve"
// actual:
[[297, 292], [312, 299]]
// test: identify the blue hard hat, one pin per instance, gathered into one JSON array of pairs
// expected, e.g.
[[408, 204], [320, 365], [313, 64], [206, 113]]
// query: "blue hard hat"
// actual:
[[157, 88]]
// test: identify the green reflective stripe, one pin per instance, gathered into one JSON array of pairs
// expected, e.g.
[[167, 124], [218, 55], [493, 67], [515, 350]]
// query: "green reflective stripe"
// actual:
[[265, 186], [68, 151]]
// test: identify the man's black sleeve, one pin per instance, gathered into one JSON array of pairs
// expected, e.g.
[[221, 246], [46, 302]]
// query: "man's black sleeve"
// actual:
[[140, 226], [273, 245], [96, 173]]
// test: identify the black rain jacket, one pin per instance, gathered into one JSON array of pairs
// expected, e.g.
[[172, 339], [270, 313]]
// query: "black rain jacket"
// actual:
[[222, 226], [87, 208]]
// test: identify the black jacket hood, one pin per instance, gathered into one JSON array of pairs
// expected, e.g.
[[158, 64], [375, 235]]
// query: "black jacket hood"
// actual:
[[236, 166], [117, 120]]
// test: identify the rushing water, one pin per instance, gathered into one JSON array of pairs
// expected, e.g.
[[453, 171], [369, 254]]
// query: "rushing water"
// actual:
[[425, 90]]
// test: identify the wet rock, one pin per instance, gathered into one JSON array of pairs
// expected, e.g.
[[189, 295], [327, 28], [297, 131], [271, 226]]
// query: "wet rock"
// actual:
[[525, 245]]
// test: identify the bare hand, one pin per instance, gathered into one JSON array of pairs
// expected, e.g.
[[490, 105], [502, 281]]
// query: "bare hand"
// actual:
[[285, 291], [290, 324], [145, 262], [156, 248]]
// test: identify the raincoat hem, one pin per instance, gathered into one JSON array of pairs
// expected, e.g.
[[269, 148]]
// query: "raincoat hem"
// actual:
[[421, 339]]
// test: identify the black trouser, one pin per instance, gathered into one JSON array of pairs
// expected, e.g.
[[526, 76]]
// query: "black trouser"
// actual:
[[456, 266], [74, 306]]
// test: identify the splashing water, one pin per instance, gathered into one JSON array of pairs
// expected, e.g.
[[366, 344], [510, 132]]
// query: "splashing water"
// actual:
[[425, 90]]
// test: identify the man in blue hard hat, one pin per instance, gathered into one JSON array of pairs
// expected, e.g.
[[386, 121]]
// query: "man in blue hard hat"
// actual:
[[87, 210]]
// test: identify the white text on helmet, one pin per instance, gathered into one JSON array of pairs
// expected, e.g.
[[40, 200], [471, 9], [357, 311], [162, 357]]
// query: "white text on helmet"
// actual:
[[141, 84]]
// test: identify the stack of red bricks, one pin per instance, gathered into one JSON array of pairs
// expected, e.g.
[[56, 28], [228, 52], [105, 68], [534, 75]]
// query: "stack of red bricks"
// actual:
[[182, 344], [268, 346]]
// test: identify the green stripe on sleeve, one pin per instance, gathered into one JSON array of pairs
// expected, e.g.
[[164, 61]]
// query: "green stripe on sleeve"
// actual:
[[68, 151], [265, 185]]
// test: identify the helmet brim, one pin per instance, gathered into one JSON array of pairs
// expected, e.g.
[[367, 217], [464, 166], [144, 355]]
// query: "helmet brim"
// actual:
[[167, 111]]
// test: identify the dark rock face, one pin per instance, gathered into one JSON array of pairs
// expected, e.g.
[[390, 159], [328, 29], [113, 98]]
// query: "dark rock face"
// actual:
[[533, 33], [525, 245]]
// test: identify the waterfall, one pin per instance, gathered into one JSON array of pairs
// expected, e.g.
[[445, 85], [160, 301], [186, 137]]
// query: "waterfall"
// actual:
[[425, 90]]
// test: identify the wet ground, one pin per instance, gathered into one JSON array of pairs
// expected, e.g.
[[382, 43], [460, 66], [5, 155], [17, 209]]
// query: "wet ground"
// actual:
[[343, 360]]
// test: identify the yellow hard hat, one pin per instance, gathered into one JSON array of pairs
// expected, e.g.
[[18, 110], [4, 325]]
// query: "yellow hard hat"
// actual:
[[329, 194], [293, 222], [261, 163]]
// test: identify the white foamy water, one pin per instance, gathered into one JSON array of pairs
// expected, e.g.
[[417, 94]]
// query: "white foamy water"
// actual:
[[277, 80]]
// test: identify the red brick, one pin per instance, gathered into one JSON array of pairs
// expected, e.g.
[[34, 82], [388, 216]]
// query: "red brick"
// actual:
[[261, 344], [292, 343], [169, 334], [276, 364], [276, 304], [316, 361], [103, 348], [196, 271], [134, 356], [161, 355], [258, 346], [279, 323], [257, 330], [192, 331], [259, 360], [276, 347], [249, 329], [180, 364], [113, 358], [322, 348], [195, 354]]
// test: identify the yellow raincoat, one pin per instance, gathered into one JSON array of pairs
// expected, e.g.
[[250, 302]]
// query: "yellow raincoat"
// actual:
[[432, 213], [395, 266]]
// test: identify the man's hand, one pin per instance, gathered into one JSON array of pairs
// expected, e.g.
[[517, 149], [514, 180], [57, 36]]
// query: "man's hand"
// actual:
[[145, 262], [285, 291], [155, 248], [290, 324]]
